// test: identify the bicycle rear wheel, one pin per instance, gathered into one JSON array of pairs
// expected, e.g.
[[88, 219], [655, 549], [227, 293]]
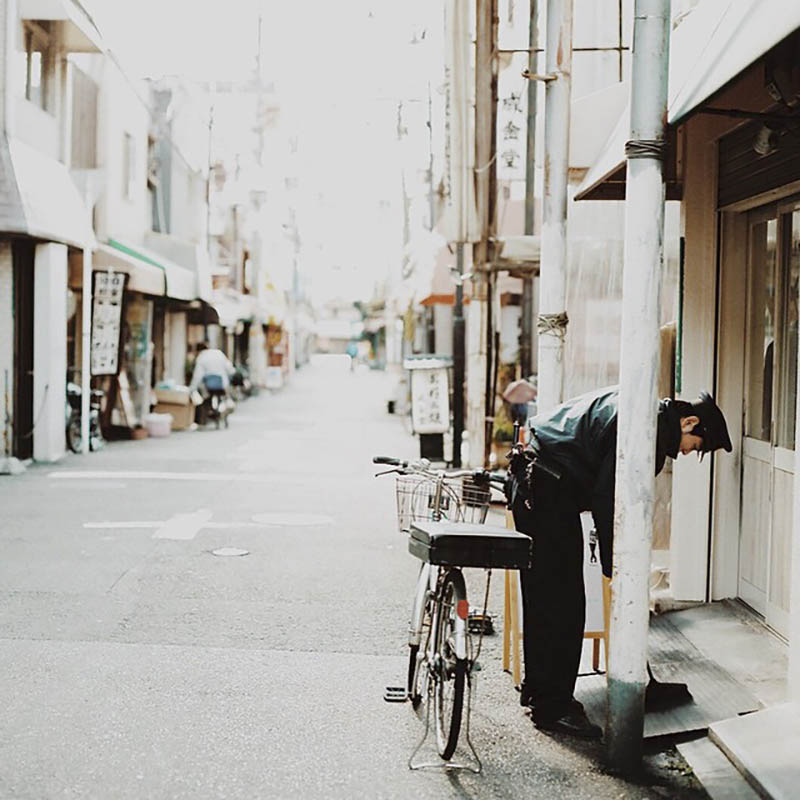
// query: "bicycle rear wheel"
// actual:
[[450, 673]]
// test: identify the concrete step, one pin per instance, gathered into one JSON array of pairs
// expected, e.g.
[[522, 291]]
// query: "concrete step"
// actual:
[[765, 748], [720, 778]]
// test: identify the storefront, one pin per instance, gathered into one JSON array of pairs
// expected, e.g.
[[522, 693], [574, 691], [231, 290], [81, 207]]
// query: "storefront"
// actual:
[[153, 329], [43, 220], [735, 527]]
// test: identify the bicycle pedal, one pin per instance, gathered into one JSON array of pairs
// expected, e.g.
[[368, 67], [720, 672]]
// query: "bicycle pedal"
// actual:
[[395, 694], [480, 623]]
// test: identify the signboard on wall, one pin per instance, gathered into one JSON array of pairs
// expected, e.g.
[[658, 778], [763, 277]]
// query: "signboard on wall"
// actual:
[[109, 288], [430, 400]]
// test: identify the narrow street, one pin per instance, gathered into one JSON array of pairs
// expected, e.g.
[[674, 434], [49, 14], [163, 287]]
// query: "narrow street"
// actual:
[[138, 664]]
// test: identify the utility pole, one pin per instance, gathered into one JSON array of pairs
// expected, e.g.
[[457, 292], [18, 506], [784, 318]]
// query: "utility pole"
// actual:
[[458, 358], [526, 327], [484, 166], [638, 398], [460, 214], [552, 321]]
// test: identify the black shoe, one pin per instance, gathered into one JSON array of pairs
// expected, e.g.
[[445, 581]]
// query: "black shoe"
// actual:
[[572, 723], [659, 696], [525, 697]]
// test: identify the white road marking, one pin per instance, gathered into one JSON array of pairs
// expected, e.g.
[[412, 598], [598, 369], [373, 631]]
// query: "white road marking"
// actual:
[[184, 526], [160, 523], [107, 525], [187, 525], [284, 476], [76, 475], [291, 518], [91, 485]]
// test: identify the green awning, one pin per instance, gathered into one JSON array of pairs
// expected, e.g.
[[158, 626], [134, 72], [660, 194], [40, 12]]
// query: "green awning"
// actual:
[[181, 283]]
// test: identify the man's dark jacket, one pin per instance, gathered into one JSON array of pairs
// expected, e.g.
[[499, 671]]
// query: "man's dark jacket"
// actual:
[[579, 441]]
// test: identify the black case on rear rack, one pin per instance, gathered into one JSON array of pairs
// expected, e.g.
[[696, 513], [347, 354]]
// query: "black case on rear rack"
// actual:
[[460, 544]]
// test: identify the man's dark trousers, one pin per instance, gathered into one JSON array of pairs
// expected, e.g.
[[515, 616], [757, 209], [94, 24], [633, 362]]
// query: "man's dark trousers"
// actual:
[[554, 602]]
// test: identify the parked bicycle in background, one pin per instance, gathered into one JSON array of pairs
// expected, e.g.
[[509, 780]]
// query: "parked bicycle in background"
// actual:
[[73, 415]]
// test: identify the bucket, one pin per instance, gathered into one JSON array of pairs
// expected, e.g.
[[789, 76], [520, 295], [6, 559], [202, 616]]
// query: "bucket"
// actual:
[[158, 424]]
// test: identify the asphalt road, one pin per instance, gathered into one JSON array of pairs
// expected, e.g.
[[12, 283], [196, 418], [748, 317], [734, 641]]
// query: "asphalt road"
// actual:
[[135, 663]]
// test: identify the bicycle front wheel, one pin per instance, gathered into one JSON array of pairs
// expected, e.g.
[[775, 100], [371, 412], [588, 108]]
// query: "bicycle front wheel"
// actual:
[[74, 437], [450, 673]]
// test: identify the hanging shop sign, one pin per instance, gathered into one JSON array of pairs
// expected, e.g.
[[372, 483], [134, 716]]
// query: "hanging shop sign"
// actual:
[[512, 120], [430, 400], [109, 289]]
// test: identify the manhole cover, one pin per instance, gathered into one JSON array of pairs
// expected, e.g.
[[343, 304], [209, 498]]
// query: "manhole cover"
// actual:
[[230, 551], [290, 518]]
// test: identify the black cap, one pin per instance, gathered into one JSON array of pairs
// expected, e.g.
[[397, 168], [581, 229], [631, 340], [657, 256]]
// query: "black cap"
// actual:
[[715, 431]]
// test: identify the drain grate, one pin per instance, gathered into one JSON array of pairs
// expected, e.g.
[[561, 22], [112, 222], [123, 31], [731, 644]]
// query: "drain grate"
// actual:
[[230, 551]]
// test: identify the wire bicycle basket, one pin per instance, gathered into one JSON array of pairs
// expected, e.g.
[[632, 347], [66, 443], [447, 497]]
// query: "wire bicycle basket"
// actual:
[[461, 500]]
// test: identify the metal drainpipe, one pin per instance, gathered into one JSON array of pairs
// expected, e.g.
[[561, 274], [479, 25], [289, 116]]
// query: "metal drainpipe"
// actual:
[[526, 343], [638, 401], [553, 268]]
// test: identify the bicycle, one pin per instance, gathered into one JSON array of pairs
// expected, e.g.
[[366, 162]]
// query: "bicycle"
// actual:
[[444, 513]]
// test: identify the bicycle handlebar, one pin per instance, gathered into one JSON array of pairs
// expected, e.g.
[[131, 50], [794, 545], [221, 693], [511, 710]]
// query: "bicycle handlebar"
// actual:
[[423, 466], [393, 462]]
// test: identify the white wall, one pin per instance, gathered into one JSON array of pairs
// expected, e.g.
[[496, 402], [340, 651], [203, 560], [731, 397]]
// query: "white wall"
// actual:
[[6, 341], [36, 127], [120, 110], [443, 326], [49, 351]]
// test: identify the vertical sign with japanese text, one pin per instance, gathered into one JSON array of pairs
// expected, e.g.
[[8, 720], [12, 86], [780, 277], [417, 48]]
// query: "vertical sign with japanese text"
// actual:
[[512, 119], [109, 288], [430, 400]]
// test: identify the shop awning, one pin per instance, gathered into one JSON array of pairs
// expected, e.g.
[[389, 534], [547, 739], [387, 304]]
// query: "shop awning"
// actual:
[[189, 255], [181, 283], [142, 277], [710, 48], [606, 178], [39, 198], [232, 308], [79, 34], [717, 42]]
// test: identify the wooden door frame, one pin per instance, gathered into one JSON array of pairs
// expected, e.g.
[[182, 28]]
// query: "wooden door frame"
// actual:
[[734, 315]]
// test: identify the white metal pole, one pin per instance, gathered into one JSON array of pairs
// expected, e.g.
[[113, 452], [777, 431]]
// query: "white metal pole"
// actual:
[[86, 338], [477, 312], [638, 402], [553, 269]]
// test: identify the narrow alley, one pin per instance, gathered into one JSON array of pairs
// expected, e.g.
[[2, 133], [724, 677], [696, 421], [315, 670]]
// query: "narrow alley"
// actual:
[[140, 664]]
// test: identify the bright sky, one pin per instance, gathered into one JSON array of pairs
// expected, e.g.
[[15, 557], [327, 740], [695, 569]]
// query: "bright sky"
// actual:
[[339, 70]]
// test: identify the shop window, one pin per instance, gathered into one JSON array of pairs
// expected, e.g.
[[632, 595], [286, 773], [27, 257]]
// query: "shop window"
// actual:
[[761, 329]]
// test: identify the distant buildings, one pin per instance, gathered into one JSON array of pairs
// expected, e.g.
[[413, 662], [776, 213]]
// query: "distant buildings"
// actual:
[[109, 180]]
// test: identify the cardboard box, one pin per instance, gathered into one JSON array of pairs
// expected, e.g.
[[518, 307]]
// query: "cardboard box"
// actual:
[[179, 396], [182, 414]]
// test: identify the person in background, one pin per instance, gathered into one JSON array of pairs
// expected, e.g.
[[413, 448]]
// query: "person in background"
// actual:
[[352, 351], [210, 361], [569, 466]]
